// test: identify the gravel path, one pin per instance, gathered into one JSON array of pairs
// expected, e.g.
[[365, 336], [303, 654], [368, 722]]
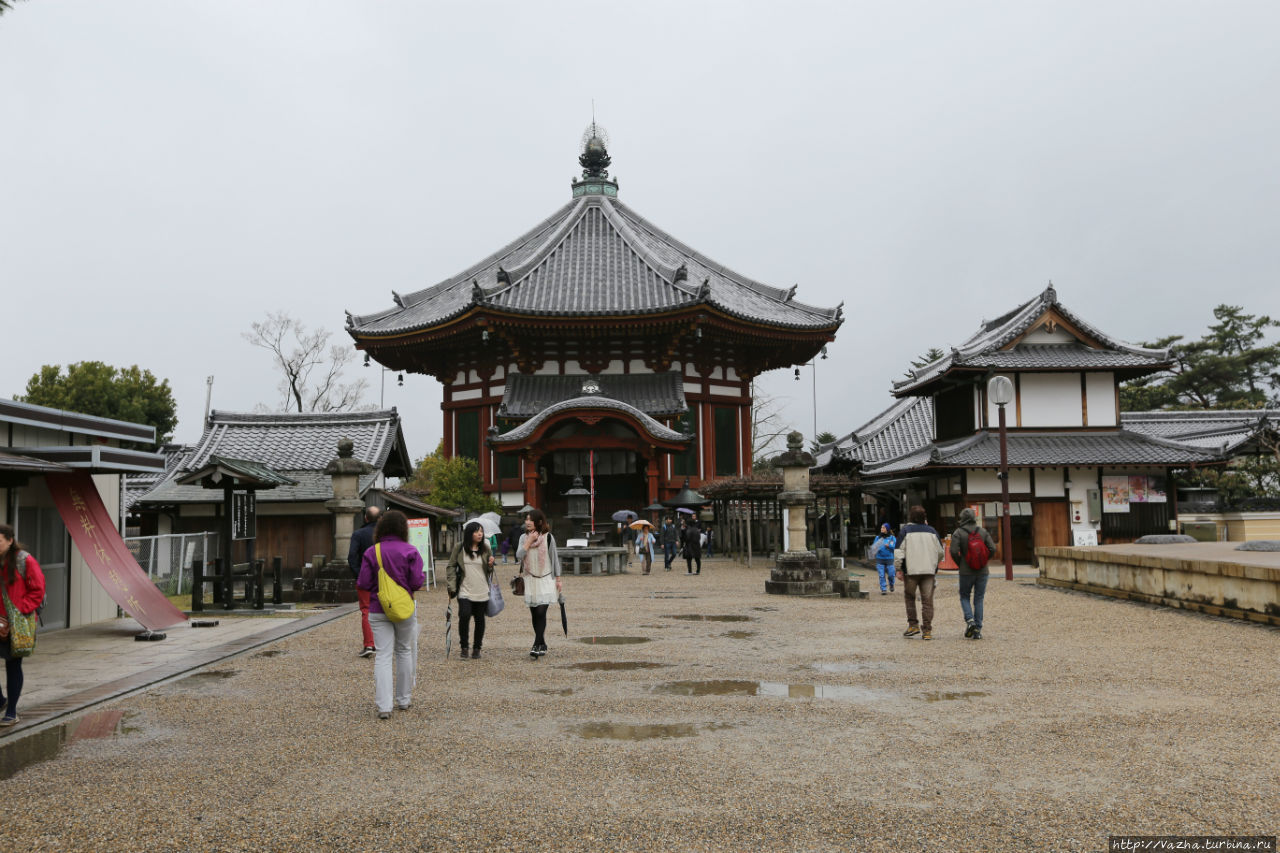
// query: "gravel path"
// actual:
[[1074, 719]]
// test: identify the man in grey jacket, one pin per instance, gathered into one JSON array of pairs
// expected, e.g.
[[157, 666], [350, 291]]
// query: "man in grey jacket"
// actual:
[[973, 579], [921, 552]]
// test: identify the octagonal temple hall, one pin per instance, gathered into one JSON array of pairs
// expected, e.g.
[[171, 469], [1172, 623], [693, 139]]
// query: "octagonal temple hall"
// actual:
[[596, 343]]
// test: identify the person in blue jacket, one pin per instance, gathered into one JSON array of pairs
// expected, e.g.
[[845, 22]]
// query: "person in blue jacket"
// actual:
[[882, 548]]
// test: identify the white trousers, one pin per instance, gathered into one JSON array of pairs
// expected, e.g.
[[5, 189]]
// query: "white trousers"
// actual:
[[398, 640]]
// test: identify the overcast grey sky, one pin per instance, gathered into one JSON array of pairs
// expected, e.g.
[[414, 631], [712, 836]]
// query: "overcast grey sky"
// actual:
[[174, 170]]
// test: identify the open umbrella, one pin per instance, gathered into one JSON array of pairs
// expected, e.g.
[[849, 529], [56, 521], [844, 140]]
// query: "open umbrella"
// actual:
[[685, 510], [625, 516], [640, 524], [448, 623], [490, 527], [564, 620]]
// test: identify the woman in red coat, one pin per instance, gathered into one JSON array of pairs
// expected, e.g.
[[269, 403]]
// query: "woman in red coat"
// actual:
[[24, 585]]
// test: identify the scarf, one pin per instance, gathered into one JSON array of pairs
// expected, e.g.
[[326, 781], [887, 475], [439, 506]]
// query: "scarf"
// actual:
[[535, 559]]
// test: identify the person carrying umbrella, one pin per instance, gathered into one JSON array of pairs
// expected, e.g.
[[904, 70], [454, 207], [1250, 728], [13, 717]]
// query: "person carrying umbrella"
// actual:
[[692, 547], [645, 542], [540, 567]]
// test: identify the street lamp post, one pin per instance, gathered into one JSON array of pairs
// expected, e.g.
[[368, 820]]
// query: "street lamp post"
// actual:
[[1000, 392]]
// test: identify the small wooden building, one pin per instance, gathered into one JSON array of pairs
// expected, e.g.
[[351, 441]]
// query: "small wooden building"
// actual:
[[292, 521]]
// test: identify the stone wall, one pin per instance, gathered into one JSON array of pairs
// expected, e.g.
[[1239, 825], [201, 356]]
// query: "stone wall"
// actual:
[[1208, 577]]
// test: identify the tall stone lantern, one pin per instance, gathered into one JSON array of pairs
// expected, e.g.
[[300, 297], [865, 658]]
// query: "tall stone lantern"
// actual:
[[799, 570], [345, 472]]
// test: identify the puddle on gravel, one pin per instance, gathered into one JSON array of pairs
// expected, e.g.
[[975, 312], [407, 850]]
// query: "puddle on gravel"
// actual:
[[615, 665], [555, 691], [776, 689], [846, 667], [738, 635], [703, 617], [45, 744], [669, 596], [765, 609], [623, 731], [951, 696], [613, 641], [270, 653]]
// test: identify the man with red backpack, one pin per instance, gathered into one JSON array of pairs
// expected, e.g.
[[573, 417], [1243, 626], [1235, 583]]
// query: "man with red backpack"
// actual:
[[971, 548]]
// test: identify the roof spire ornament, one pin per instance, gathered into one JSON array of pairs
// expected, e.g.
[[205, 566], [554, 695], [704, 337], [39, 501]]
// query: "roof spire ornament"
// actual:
[[595, 159]]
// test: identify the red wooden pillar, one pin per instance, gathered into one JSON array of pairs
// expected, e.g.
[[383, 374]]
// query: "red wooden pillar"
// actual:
[[531, 480], [448, 424], [652, 460], [486, 472]]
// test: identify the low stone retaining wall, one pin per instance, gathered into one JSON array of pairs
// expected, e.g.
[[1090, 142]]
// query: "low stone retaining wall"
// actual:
[[1211, 577]]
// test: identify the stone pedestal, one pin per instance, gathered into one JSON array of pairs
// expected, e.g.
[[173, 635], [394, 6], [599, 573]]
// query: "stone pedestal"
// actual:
[[799, 571], [332, 582]]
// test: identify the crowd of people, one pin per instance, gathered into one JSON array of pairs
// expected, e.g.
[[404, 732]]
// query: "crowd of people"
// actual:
[[385, 564]]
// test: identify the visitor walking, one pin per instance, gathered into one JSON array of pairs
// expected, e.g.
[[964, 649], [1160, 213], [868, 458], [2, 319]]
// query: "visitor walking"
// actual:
[[882, 551], [361, 541], [645, 541], [393, 641], [469, 572], [971, 548], [629, 542], [540, 568], [692, 548], [669, 536], [710, 541], [921, 551], [22, 583]]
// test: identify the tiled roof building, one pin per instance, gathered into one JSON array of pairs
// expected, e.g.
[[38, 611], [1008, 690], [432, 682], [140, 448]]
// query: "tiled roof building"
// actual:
[[594, 336], [1069, 447]]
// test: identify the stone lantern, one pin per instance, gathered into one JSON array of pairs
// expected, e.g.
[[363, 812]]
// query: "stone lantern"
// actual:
[[345, 472], [799, 570]]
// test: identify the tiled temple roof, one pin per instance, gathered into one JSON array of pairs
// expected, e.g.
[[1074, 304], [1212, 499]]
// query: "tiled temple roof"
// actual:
[[594, 257], [983, 349], [589, 404], [298, 446], [655, 394], [1226, 431]]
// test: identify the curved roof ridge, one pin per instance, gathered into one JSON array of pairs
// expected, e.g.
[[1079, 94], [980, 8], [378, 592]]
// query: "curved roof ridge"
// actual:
[[633, 241], [653, 427], [777, 294], [464, 278], [569, 223]]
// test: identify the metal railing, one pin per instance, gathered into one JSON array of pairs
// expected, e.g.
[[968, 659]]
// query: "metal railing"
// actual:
[[167, 559]]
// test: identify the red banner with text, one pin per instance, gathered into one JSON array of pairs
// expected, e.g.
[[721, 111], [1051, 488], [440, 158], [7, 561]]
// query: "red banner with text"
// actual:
[[99, 542]]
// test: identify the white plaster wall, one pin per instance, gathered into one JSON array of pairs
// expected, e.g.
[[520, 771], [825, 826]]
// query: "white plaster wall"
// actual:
[[692, 388], [1049, 483], [731, 374], [499, 372], [513, 499], [615, 366], [984, 481], [89, 601], [726, 390], [1051, 399], [1100, 392], [497, 390], [571, 366], [469, 394], [1044, 336], [637, 366], [549, 368]]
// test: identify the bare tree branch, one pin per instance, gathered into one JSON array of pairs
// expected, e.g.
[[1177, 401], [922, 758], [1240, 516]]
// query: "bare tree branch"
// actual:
[[311, 370]]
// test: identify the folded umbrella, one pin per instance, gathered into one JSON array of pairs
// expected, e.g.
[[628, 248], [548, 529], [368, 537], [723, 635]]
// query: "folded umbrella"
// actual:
[[448, 624], [564, 620]]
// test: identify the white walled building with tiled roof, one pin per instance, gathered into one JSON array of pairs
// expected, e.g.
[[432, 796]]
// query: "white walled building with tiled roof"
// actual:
[[1069, 446]]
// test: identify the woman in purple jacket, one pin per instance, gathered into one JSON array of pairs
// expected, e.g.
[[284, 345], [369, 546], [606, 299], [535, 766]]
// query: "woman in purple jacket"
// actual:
[[403, 564]]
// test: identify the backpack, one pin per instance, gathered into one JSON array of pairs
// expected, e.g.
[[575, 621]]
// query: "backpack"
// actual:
[[977, 555]]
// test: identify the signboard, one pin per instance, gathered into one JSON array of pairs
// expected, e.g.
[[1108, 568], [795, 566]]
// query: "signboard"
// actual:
[[420, 538], [1115, 493], [244, 515], [1081, 537], [106, 554]]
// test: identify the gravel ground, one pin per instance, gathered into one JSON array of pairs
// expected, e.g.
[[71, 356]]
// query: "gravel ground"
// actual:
[[1074, 718]]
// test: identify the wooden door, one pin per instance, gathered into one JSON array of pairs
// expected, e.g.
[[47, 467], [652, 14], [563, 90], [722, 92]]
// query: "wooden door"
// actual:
[[1050, 525]]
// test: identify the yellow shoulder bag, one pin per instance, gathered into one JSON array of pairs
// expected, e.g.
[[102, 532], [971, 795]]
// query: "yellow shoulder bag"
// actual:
[[396, 601]]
